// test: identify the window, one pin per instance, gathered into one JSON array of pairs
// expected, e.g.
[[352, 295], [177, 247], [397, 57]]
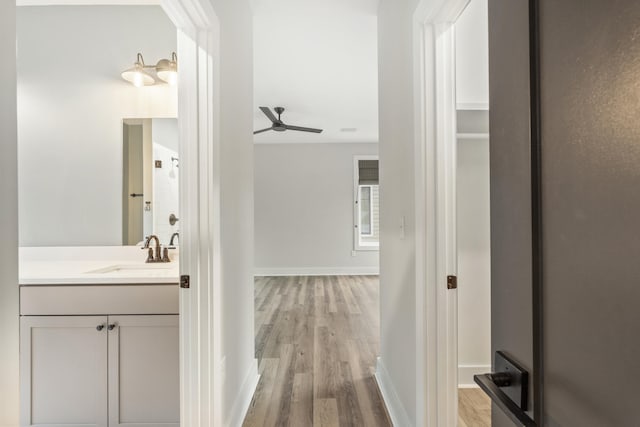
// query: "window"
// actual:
[[367, 203]]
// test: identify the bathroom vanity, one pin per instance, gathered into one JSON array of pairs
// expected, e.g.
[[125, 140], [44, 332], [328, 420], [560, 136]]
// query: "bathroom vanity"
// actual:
[[99, 343]]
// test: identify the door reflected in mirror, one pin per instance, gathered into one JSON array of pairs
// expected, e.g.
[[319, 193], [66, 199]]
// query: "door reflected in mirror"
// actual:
[[150, 180]]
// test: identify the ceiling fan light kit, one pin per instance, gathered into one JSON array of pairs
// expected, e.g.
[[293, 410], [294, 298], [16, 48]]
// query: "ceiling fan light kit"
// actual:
[[278, 125]]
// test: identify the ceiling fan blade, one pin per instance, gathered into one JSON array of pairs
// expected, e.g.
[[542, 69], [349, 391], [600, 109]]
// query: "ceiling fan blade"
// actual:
[[267, 112], [262, 130], [302, 129]]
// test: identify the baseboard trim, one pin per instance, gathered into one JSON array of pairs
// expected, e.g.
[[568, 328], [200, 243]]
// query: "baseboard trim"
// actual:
[[243, 400], [466, 373], [397, 412], [318, 271]]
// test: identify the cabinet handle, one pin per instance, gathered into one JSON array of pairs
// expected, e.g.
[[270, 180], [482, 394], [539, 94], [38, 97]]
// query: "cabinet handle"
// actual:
[[99, 328], [112, 326]]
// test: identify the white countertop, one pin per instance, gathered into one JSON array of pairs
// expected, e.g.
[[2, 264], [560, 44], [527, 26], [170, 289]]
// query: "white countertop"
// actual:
[[94, 266]]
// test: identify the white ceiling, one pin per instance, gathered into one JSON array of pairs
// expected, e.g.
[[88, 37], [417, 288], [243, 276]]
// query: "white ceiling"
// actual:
[[318, 59]]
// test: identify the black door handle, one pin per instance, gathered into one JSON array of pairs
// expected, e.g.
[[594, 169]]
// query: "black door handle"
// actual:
[[508, 388], [136, 194]]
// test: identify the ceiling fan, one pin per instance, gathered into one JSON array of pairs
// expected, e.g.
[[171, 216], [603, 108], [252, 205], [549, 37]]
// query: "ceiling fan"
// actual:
[[278, 125]]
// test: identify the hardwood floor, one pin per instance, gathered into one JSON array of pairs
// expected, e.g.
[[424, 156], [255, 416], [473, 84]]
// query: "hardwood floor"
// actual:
[[474, 408], [317, 340]]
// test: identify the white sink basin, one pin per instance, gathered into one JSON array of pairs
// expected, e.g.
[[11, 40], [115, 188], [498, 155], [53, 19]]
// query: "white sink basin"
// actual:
[[133, 268]]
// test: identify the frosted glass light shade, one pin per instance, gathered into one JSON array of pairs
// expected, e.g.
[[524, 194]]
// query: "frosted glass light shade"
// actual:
[[138, 77], [169, 76], [167, 71]]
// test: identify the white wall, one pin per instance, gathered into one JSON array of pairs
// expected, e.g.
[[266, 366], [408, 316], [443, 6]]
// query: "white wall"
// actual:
[[165, 194], [8, 221], [474, 244], [165, 133], [397, 253], [472, 56], [236, 134], [71, 102], [474, 259], [304, 209], [166, 179]]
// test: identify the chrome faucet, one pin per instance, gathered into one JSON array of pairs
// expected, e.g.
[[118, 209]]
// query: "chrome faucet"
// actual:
[[175, 235], [160, 255]]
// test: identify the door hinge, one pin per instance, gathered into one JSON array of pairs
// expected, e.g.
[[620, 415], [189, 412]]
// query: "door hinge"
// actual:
[[452, 282], [185, 281]]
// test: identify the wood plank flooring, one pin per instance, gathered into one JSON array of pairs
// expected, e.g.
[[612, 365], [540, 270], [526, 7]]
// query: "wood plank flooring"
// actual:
[[317, 340], [474, 408]]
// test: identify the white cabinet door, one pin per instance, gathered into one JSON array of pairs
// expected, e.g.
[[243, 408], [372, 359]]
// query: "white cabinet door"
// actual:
[[63, 368], [144, 377]]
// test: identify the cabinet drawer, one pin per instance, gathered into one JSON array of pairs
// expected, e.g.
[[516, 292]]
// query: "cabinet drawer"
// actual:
[[99, 299]]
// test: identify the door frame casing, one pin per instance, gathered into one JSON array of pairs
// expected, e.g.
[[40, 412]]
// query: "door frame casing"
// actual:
[[435, 201], [198, 127]]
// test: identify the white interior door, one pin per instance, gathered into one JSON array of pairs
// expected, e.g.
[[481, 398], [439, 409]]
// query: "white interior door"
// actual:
[[200, 254]]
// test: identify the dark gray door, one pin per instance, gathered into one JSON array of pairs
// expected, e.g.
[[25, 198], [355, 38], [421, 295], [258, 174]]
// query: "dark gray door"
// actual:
[[590, 99], [512, 328], [580, 342]]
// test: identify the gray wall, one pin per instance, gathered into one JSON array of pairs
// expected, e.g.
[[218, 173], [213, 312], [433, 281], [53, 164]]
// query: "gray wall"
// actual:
[[8, 220], [590, 80], [304, 209], [71, 102]]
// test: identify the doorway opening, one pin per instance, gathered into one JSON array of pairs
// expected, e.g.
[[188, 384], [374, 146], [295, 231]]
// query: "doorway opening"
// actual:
[[92, 189], [317, 221], [473, 231], [455, 139], [474, 269], [69, 188]]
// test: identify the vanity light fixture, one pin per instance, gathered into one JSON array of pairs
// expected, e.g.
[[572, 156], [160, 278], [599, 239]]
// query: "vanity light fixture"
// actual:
[[166, 70]]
